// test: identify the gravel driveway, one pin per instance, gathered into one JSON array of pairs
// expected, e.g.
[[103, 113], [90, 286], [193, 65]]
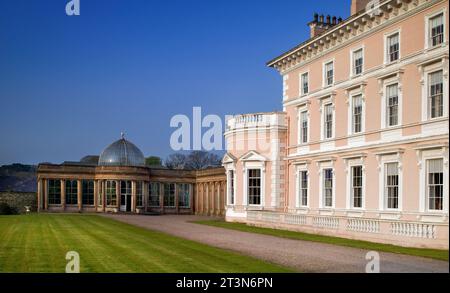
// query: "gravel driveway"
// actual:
[[303, 256]]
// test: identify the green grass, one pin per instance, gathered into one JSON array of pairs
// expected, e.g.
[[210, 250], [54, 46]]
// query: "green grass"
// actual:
[[424, 252], [39, 243]]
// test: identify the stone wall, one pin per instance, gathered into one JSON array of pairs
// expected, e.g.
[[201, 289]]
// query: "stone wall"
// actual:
[[19, 200]]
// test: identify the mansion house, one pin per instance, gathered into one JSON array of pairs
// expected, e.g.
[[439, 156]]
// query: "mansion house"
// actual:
[[360, 149]]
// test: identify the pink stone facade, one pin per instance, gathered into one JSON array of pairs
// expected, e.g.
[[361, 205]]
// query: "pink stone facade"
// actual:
[[361, 147]]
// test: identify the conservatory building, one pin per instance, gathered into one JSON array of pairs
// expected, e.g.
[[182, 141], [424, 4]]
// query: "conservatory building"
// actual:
[[119, 181]]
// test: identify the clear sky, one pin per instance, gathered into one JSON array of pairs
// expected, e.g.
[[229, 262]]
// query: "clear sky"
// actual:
[[70, 85]]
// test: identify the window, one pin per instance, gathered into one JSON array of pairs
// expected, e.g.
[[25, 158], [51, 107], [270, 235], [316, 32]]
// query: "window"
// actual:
[[328, 187], [304, 127], [231, 186], [435, 184], [391, 185], [88, 192], [254, 186], [304, 84], [139, 194], [169, 195], [111, 195], [358, 62], [54, 191], [328, 121], [71, 192], [329, 73], [184, 195], [393, 47], [436, 33], [303, 175], [357, 114], [435, 95], [155, 192], [392, 105], [356, 187]]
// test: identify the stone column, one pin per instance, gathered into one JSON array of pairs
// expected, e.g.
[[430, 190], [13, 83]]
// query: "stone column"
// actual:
[[79, 195], [104, 195], [63, 194], [145, 195], [133, 196], [118, 195], [45, 194], [177, 208], [161, 197], [95, 194], [39, 195]]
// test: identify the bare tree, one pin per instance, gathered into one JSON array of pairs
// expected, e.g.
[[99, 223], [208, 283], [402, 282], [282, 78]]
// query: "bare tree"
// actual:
[[196, 160], [176, 161]]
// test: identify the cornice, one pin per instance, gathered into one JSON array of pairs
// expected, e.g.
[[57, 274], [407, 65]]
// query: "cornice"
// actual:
[[352, 29]]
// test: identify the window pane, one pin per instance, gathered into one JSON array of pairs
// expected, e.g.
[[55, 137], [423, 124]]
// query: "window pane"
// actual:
[[304, 127], [357, 186], [328, 121], [435, 170], [254, 186], [303, 188], [435, 95], [437, 30], [328, 187], [357, 114], [391, 185], [392, 105], [357, 62]]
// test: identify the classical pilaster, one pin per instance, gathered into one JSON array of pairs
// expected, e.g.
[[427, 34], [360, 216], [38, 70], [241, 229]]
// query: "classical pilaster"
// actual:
[[95, 194], [145, 194], [104, 195], [63, 194], [45, 194], [133, 196], [79, 195], [39, 195], [118, 195], [177, 208]]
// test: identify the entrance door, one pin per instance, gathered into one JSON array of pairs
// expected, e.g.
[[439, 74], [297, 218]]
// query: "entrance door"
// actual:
[[125, 196]]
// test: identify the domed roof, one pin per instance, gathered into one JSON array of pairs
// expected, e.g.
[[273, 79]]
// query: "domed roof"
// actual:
[[121, 153]]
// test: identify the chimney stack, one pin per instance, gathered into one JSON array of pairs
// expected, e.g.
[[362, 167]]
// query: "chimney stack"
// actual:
[[358, 5], [321, 23]]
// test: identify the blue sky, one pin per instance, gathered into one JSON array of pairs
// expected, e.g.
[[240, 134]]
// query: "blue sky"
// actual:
[[70, 85]]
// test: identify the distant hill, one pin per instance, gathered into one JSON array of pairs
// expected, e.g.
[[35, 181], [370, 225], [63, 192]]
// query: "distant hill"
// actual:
[[18, 177]]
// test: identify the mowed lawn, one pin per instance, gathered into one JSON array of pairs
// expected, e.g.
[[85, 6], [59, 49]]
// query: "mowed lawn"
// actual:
[[39, 243]]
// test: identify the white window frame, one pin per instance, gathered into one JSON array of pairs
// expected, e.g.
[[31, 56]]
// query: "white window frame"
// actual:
[[386, 83], [423, 156], [352, 61], [229, 170], [301, 110], [382, 161], [352, 162], [386, 51], [426, 71], [301, 92], [322, 166], [254, 165], [350, 128], [324, 73], [298, 201], [325, 102], [428, 17]]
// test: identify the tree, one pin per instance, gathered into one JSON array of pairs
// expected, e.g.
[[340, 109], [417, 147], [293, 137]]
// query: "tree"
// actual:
[[196, 160], [176, 161], [153, 161]]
